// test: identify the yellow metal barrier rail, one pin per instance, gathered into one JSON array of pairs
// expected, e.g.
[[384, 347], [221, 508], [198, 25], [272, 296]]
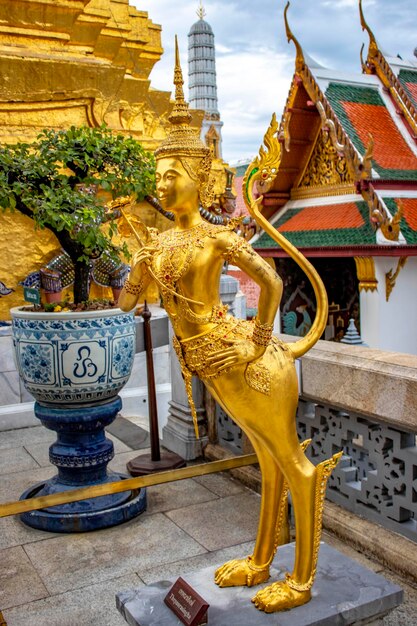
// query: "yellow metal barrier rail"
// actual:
[[42, 502]]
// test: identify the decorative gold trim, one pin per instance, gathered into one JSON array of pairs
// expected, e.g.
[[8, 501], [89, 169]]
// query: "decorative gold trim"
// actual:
[[391, 277], [377, 64], [262, 333], [133, 289], [308, 160], [284, 127], [325, 166], [377, 211], [365, 271], [302, 193]]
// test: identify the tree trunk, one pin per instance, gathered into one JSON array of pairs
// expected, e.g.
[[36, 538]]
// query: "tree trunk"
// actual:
[[81, 282]]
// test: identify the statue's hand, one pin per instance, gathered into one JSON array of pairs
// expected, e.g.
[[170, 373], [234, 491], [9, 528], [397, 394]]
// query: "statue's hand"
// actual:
[[141, 259], [239, 353]]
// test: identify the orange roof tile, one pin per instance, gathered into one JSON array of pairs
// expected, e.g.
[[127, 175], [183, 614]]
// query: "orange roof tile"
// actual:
[[325, 217], [410, 211], [390, 148]]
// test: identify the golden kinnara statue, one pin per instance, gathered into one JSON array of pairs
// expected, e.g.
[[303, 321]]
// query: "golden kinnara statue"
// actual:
[[249, 372]]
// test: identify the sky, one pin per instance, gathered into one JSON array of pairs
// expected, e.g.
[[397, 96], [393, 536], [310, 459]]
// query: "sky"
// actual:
[[255, 63]]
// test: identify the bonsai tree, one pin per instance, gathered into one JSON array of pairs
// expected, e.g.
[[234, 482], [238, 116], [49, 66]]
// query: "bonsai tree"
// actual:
[[57, 181]]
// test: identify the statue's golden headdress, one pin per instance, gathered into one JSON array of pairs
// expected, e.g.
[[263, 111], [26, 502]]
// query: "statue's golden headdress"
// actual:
[[184, 142]]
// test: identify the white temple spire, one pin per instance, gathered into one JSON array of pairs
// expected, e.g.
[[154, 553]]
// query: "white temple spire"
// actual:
[[202, 84]]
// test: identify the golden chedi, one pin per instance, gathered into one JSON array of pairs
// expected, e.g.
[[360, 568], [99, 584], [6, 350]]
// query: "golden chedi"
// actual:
[[249, 372]]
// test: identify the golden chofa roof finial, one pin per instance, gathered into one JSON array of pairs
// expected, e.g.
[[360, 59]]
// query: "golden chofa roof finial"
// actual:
[[201, 12], [373, 46], [299, 59]]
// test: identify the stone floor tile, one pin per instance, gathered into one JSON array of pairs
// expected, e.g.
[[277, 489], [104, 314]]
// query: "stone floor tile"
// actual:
[[222, 522], [118, 464], [221, 484], [71, 561], [119, 446], [14, 533], [19, 581], [93, 605], [40, 452], [405, 614], [23, 436], [140, 420], [181, 567], [13, 485], [177, 494], [134, 436], [16, 460]]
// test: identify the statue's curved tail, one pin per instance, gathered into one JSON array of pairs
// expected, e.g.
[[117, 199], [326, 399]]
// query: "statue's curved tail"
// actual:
[[263, 170]]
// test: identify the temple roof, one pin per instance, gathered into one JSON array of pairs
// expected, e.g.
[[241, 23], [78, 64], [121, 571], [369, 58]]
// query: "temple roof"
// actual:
[[337, 224], [341, 223], [348, 150], [361, 110]]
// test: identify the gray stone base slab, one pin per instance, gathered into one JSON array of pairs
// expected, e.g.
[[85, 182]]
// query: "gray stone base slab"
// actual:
[[344, 593]]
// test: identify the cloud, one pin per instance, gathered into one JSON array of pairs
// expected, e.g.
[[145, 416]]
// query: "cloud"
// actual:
[[340, 5], [254, 61]]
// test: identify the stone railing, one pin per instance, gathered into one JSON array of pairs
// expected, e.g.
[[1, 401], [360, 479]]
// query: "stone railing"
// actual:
[[364, 402]]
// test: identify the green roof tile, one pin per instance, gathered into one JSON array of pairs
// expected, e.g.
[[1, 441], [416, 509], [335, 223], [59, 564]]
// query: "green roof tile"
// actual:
[[341, 237]]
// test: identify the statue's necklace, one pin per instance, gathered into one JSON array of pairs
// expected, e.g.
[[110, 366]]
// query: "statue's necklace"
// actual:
[[177, 250]]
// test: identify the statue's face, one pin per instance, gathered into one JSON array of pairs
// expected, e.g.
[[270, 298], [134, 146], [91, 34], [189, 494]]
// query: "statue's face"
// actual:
[[175, 188]]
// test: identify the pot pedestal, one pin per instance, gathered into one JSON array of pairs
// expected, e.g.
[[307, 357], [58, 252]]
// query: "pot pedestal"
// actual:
[[81, 454]]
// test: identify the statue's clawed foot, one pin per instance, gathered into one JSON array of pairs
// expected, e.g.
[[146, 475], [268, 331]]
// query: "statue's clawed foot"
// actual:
[[280, 597], [241, 572]]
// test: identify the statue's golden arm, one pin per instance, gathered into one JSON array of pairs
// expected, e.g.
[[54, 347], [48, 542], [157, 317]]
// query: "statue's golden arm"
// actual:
[[268, 280], [241, 254], [139, 279]]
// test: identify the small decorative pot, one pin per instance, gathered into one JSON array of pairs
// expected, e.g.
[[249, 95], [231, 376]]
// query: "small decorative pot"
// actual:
[[74, 364]]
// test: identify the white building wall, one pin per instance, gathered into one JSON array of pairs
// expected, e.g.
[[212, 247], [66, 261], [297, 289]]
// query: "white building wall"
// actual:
[[391, 325]]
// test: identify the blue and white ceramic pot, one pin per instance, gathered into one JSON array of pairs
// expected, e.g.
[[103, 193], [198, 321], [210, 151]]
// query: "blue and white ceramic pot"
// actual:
[[74, 364]]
